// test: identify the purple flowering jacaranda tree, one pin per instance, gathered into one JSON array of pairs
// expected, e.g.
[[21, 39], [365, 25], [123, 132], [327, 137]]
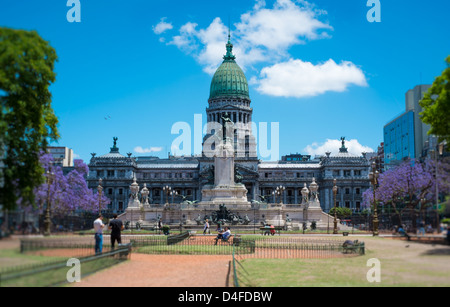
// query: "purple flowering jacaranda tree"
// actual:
[[410, 186], [68, 193]]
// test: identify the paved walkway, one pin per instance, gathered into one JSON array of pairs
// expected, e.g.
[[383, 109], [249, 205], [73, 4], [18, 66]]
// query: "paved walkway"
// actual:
[[164, 271]]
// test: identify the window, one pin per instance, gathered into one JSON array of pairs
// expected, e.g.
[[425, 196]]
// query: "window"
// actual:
[[110, 191], [99, 174], [336, 173], [357, 173], [120, 206], [347, 204], [111, 173], [358, 191], [347, 191], [347, 173], [121, 174], [358, 205]]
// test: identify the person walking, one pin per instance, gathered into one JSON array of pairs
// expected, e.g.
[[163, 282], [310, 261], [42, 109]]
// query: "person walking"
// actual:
[[116, 227], [422, 228], [206, 228], [98, 227]]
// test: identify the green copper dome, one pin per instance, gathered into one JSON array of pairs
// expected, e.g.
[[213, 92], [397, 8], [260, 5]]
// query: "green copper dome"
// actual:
[[229, 80]]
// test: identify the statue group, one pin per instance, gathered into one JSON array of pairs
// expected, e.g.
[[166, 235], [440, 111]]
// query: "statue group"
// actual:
[[224, 216]]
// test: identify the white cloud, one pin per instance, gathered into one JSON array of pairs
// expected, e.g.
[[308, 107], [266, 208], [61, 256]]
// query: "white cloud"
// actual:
[[76, 156], [296, 78], [264, 36], [279, 28], [353, 147], [162, 26], [141, 150]]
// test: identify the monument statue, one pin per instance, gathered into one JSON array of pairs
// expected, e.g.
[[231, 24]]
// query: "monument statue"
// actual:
[[145, 193], [226, 122], [305, 194], [238, 177]]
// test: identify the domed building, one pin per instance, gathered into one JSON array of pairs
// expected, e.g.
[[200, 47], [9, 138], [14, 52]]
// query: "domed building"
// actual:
[[178, 180], [229, 99]]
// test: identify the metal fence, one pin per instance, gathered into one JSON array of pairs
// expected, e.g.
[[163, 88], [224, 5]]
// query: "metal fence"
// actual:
[[54, 272], [388, 220], [292, 248], [246, 246]]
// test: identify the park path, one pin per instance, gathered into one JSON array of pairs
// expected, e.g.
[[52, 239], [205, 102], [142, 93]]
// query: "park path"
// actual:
[[164, 271]]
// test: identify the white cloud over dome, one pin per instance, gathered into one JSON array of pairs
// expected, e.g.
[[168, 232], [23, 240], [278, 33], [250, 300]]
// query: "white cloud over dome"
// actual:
[[296, 78], [263, 37], [142, 150], [353, 147]]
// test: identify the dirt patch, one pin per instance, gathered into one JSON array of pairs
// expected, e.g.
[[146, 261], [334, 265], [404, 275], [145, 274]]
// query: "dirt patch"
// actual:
[[164, 271], [9, 243]]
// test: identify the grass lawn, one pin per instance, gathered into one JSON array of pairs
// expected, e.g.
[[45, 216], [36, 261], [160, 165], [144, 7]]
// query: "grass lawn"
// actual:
[[13, 257], [402, 264]]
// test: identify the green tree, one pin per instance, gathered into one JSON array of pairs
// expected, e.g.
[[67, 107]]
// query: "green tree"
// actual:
[[436, 105], [27, 120], [342, 213]]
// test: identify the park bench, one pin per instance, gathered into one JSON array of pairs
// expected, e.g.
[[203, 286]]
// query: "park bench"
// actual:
[[354, 247], [270, 231], [227, 240]]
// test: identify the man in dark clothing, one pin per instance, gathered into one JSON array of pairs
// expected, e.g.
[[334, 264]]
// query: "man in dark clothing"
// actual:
[[116, 226]]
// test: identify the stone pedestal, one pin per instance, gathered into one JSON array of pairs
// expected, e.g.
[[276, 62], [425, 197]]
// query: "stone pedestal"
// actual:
[[225, 190]]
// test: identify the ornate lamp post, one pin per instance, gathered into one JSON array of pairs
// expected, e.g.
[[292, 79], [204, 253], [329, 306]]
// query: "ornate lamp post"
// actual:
[[440, 152], [305, 203], [279, 192], [47, 222], [335, 189], [167, 191], [373, 177], [100, 190], [172, 194]]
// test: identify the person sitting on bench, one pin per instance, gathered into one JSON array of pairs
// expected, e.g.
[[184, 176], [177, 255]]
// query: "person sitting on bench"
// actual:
[[224, 235], [403, 233]]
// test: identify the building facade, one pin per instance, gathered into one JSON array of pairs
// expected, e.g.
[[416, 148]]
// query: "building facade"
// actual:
[[406, 137], [229, 102], [62, 156]]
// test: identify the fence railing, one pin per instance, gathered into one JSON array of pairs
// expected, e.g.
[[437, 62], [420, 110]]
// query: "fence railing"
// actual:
[[245, 246], [54, 272], [285, 248]]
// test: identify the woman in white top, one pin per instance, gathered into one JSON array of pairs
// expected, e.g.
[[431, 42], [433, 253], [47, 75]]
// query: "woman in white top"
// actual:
[[206, 228]]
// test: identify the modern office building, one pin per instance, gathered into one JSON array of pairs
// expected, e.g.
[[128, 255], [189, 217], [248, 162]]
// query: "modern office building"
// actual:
[[62, 156], [406, 136], [399, 141]]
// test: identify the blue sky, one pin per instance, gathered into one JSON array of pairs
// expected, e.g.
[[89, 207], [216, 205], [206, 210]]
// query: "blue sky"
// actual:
[[319, 68]]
